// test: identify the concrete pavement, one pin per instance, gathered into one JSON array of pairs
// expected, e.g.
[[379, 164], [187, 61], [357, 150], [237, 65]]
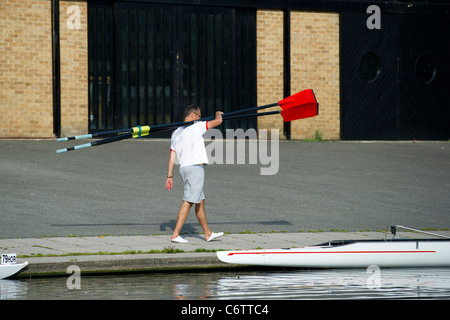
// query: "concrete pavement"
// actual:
[[115, 254]]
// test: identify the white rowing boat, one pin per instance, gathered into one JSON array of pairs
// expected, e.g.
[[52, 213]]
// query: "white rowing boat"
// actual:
[[9, 265], [349, 254]]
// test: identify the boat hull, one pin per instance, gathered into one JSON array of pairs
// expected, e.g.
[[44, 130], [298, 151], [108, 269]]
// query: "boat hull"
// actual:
[[8, 270], [349, 254]]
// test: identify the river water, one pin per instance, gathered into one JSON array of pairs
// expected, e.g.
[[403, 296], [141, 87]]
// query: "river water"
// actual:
[[420, 283]]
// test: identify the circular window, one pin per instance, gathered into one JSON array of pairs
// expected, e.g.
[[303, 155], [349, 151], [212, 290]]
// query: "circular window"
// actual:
[[369, 67], [426, 68]]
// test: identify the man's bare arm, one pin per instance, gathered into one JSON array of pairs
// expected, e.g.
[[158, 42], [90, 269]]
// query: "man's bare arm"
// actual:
[[170, 166], [217, 121]]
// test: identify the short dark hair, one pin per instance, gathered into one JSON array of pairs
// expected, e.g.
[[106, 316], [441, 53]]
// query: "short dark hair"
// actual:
[[189, 109]]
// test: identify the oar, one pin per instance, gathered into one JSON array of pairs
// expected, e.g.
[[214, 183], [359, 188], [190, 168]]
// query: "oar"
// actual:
[[305, 98], [290, 114], [298, 106]]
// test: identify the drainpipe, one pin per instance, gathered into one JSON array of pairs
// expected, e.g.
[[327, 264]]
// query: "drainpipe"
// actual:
[[56, 77], [287, 64]]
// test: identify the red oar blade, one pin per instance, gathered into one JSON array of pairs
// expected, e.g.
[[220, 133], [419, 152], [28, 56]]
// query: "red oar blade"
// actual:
[[303, 97], [306, 110]]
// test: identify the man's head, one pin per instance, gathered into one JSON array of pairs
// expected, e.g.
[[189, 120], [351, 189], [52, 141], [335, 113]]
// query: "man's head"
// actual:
[[192, 112]]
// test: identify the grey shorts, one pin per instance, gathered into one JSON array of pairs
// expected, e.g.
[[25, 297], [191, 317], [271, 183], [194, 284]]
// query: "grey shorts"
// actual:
[[193, 179]]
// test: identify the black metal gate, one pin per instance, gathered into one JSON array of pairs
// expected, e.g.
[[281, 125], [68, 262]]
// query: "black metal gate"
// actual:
[[395, 80], [148, 61], [369, 107]]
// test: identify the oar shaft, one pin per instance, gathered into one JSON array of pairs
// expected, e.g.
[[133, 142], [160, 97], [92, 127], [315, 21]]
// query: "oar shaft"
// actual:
[[112, 139], [251, 115], [81, 146], [84, 136], [96, 134], [97, 143], [250, 109]]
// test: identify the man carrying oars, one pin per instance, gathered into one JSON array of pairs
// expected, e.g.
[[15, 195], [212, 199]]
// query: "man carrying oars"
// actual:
[[188, 145]]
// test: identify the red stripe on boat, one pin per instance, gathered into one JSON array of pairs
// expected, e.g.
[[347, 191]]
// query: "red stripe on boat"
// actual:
[[296, 252]]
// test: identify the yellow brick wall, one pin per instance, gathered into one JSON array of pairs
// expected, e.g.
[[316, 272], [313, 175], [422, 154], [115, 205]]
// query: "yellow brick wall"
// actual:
[[314, 65], [74, 72], [26, 108], [26, 88], [26, 100], [269, 64]]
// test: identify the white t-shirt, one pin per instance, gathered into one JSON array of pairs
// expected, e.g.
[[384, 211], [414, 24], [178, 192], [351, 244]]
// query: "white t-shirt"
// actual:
[[188, 144]]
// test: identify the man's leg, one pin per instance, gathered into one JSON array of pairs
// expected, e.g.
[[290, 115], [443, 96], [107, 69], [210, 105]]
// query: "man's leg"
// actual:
[[182, 216], [201, 216]]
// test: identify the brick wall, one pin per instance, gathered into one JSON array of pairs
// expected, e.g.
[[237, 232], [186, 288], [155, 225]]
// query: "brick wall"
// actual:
[[269, 64], [26, 89], [74, 64], [314, 64], [26, 108], [26, 99]]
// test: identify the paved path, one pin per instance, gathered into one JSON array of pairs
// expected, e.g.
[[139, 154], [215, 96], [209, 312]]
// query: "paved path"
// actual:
[[53, 256]]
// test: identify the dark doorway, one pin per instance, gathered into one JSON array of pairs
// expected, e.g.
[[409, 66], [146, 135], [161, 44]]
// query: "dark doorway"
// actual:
[[369, 108], [395, 80], [424, 77]]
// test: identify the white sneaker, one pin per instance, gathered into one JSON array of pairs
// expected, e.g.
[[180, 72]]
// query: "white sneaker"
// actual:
[[179, 239], [214, 236]]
